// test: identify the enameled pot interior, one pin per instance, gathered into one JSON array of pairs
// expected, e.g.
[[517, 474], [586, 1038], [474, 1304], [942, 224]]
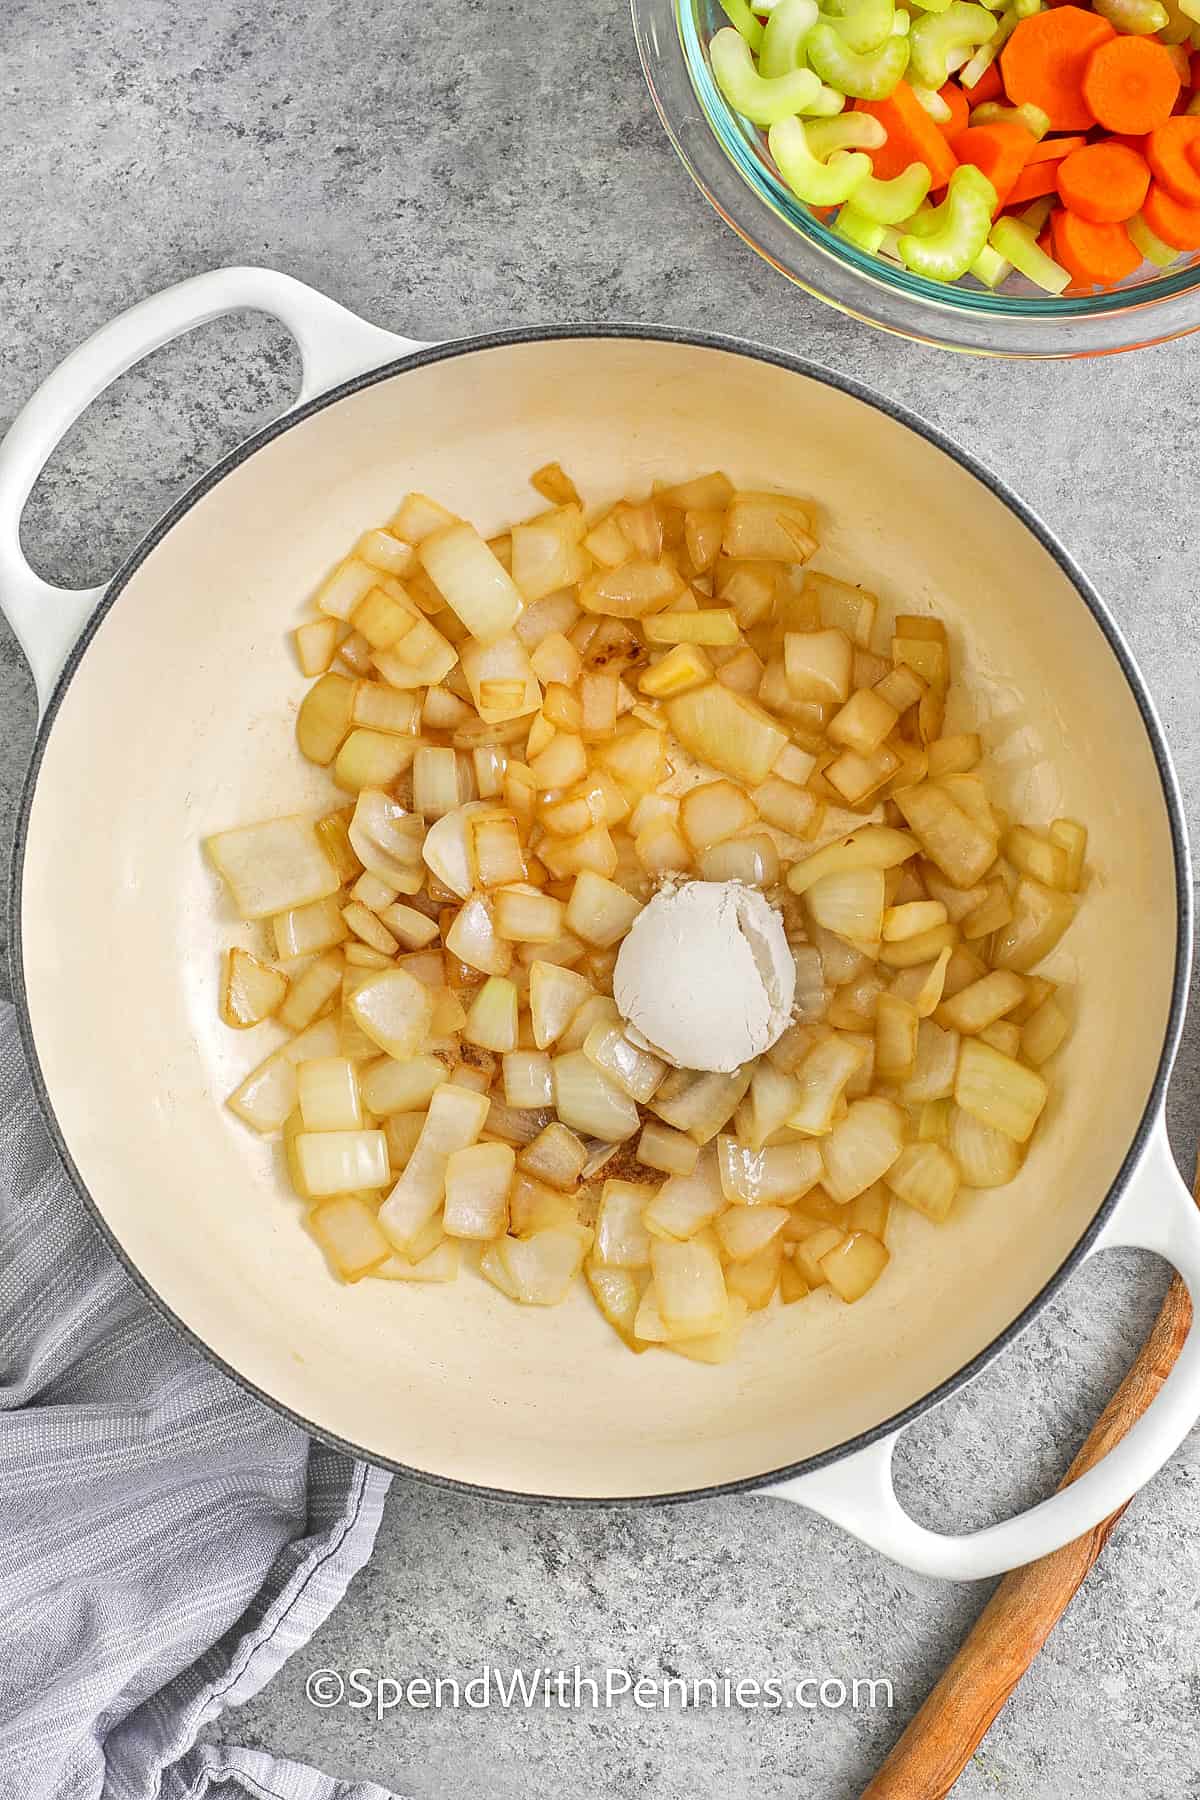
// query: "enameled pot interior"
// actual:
[[179, 721]]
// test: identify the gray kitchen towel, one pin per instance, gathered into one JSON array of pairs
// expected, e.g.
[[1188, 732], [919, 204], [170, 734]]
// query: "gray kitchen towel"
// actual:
[[166, 1541]]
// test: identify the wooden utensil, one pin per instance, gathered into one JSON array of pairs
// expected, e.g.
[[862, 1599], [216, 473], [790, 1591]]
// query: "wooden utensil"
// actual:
[[939, 1741]]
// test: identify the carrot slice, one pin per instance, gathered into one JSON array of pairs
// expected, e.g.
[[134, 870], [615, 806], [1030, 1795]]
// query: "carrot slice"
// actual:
[[1175, 224], [988, 87], [1044, 62], [1173, 153], [912, 137], [1000, 151], [1131, 84], [1104, 182], [1034, 180], [1100, 255], [1053, 149], [960, 109]]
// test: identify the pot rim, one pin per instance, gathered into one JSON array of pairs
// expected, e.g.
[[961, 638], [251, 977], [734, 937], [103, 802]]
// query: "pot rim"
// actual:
[[799, 365]]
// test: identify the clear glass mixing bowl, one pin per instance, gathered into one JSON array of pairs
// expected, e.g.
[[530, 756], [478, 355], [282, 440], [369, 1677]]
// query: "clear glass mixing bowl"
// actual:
[[726, 159]]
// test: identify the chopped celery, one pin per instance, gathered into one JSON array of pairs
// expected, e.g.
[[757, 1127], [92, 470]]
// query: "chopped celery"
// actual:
[[871, 75], [762, 102], [862, 24], [1037, 212], [1025, 9], [933, 37], [856, 228], [923, 223], [963, 221], [849, 131], [783, 41], [1136, 18], [901, 23], [818, 183], [1015, 241], [829, 104], [1035, 121], [932, 102], [974, 68], [932, 6], [990, 267], [1150, 244], [743, 20], [888, 202]]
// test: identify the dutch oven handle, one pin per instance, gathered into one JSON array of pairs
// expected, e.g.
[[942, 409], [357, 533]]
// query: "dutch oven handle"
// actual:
[[334, 345], [1156, 1213]]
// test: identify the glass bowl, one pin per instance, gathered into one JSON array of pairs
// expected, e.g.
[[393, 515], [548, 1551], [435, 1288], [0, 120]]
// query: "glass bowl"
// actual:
[[727, 159]]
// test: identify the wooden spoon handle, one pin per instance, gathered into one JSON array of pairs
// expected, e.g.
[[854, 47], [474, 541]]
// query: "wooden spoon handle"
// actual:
[[1023, 1611]]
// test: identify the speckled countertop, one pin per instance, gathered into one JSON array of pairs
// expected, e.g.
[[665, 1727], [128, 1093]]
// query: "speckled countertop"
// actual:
[[443, 171]]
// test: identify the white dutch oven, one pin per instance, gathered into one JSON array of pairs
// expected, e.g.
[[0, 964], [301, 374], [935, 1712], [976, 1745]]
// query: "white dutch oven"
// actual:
[[168, 698]]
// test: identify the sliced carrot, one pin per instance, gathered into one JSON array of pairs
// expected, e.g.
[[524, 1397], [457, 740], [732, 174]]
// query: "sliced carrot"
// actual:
[[1044, 61], [988, 87], [1130, 83], [1176, 225], [1000, 151], [1034, 180], [912, 137], [1053, 149], [1104, 182], [1173, 153], [960, 110], [1100, 255]]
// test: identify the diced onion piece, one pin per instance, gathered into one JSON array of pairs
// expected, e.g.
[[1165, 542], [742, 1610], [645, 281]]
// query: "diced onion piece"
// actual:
[[417, 517], [728, 731], [813, 1249], [555, 1155], [447, 848], [874, 847], [618, 1293], [999, 1090], [863, 723], [517, 1125], [533, 1206], [366, 926], [395, 1012], [273, 866], [546, 553], [768, 527], [528, 1078], [719, 1346], [638, 759], [788, 807], [714, 812], [350, 582], [992, 912], [911, 919], [933, 1072], [683, 668], [327, 1089], [599, 911], [389, 1086], [818, 665], [925, 1176], [502, 683], [561, 764], [473, 582], [743, 1231], [1043, 1032], [689, 1286], [960, 847], [792, 1285], [384, 617], [661, 1147], [869, 1211], [421, 658], [635, 1071], [348, 1232], [316, 641], [896, 1037], [435, 781], [267, 1096], [387, 840], [492, 1019], [555, 996], [1002, 1035], [954, 755], [1037, 856], [715, 625], [924, 948], [854, 1266], [923, 984], [622, 1241], [372, 893], [586, 1100], [411, 928], [493, 1268], [770, 1177], [454, 1120], [687, 1203], [982, 1002], [1072, 837], [701, 1103], [477, 1182], [821, 1079], [523, 915], [862, 1147], [632, 589], [439, 1264], [496, 849], [251, 990], [850, 903], [986, 1157], [752, 859], [1040, 917], [474, 940], [543, 1266], [325, 717], [774, 1097], [310, 993], [307, 930], [341, 1162]]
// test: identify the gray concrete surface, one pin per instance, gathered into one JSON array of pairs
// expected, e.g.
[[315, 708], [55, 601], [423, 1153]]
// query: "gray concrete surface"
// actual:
[[482, 164]]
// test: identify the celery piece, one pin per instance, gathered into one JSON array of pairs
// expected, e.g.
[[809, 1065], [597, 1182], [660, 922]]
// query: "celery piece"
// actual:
[[901, 23], [932, 6], [862, 25], [1136, 18], [872, 75], [923, 223], [1015, 241], [990, 267], [931, 102], [888, 202], [849, 131], [963, 221], [1150, 244], [783, 41], [829, 104], [744, 22], [857, 229], [762, 102], [1035, 121], [935, 35], [819, 183], [1037, 212]]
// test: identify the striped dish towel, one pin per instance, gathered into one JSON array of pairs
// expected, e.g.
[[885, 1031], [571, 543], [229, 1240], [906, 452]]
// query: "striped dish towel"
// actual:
[[166, 1541]]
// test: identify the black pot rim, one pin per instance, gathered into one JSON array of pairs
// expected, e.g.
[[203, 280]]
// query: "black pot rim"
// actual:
[[1087, 593]]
